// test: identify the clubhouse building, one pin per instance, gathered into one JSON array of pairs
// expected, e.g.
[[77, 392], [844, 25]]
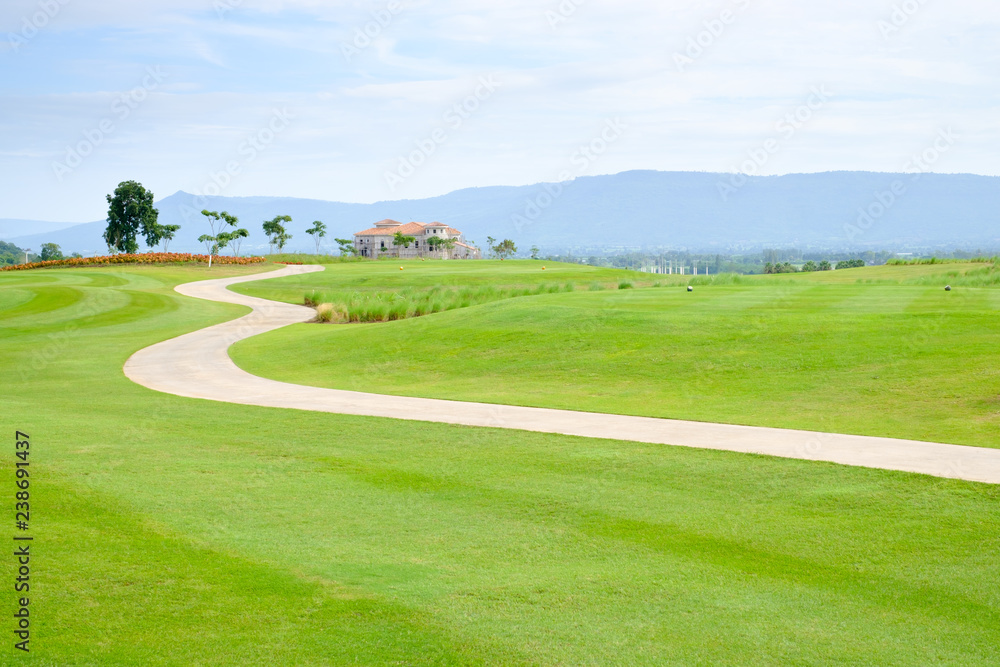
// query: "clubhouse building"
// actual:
[[379, 241]]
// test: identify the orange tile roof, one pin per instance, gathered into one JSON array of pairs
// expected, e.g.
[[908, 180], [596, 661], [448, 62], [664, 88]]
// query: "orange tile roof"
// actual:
[[409, 229]]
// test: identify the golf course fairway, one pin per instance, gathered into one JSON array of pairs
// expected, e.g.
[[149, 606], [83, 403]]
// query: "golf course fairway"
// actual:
[[180, 531]]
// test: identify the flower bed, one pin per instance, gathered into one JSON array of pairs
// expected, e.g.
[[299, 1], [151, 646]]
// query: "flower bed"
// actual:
[[139, 258]]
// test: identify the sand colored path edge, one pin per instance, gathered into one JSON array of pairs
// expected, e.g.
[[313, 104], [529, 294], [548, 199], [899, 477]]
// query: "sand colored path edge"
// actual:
[[197, 365]]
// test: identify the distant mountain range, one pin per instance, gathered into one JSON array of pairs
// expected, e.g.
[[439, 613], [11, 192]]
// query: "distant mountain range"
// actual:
[[637, 209]]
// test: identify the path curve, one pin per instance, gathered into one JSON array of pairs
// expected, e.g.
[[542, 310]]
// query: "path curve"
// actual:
[[197, 365]]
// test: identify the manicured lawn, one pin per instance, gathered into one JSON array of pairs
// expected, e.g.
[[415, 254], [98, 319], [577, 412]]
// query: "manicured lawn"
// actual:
[[171, 531], [824, 351]]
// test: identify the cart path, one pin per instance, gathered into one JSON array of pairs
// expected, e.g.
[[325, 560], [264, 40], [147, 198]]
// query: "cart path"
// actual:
[[197, 365]]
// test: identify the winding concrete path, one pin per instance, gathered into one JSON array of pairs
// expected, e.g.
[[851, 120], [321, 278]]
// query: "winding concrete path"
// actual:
[[197, 365]]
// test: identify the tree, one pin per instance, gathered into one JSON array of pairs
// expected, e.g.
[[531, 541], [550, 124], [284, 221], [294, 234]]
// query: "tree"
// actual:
[[276, 233], [504, 249], [232, 238], [437, 243], [211, 241], [401, 240], [167, 234], [490, 241], [346, 247], [535, 250], [825, 266], [51, 251], [10, 254], [235, 239], [809, 267], [130, 213], [317, 231], [211, 244]]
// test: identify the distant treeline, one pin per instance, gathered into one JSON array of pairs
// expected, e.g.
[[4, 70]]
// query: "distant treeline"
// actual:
[[767, 261]]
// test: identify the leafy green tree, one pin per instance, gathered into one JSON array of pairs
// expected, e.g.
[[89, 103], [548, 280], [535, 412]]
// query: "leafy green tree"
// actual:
[[10, 254], [436, 243], [534, 252], [131, 213], [211, 244], [810, 266], [276, 233], [825, 266], [346, 247], [235, 239], [211, 241], [505, 249], [167, 234], [214, 218], [490, 242], [401, 240], [51, 251], [317, 231]]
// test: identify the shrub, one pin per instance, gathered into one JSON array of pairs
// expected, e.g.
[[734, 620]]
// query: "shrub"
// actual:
[[624, 285], [326, 312], [852, 264], [138, 258]]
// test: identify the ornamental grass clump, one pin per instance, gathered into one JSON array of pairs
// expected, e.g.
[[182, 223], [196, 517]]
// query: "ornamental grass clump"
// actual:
[[387, 306]]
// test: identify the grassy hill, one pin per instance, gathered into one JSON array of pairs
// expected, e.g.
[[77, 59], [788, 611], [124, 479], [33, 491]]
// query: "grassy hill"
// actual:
[[880, 351], [175, 531]]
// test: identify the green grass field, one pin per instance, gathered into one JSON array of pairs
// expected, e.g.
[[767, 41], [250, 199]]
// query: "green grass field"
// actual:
[[881, 351], [172, 531]]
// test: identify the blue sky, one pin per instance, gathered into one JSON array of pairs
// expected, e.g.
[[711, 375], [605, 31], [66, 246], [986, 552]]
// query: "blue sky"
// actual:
[[282, 97]]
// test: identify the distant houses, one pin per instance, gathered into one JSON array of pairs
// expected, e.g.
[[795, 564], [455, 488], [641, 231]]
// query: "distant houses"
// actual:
[[430, 239]]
